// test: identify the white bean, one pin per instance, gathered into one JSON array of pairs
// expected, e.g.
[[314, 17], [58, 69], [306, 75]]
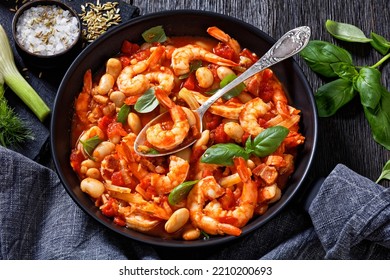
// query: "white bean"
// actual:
[[234, 131], [103, 149], [93, 173], [204, 76], [118, 98], [177, 220], [134, 122], [191, 234], [223, 71], [203, 140], [114, 67], [106, 83], [93, 187]]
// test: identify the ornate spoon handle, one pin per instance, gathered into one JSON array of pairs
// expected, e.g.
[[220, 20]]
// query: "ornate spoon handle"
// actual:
[[288, 45]]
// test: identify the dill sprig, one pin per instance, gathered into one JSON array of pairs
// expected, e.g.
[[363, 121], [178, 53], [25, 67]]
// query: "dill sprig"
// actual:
[[13, 131]]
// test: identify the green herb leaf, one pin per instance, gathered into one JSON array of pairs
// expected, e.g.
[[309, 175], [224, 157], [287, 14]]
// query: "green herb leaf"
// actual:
[[180, 192], [154, 34], [368, 84], [319, 55], [234, 91], [223, 154], [380, 43], [123, 113], [385, 172], [332, 96], [147, 102], [345, 70], [269, 140], [13, 132], [346, 32], [379, 119], [90, 144], [152, 151], [194, 65]]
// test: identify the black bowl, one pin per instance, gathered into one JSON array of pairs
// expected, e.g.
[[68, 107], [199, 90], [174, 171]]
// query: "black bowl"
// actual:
[[40, 61], [191, 23]]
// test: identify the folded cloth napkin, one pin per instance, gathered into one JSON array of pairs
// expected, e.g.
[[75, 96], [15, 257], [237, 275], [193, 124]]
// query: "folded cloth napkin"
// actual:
[[347, 219]]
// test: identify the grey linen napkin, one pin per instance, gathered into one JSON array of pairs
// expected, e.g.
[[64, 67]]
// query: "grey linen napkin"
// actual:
[[350, 220]]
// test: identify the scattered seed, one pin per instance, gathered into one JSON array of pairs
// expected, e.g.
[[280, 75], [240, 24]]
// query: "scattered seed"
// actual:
[[97, 18]]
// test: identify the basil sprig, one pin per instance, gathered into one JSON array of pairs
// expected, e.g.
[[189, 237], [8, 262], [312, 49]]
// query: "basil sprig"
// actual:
[[262, 145], [350, 80]]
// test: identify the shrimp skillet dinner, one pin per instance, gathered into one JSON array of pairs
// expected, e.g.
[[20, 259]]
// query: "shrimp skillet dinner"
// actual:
[[238, 166]]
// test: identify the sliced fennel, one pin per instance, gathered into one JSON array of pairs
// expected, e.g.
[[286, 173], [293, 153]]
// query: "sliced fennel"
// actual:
[[16, 82]]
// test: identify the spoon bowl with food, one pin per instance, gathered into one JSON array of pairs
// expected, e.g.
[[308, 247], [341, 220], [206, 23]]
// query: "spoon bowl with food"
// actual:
[[180, 136]]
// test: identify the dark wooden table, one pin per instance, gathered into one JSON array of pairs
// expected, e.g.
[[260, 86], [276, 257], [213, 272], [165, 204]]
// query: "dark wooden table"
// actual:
[[346, 137]]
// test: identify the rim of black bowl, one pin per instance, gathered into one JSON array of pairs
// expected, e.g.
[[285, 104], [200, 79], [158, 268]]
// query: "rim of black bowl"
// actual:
[[95, 213], [36, 3]]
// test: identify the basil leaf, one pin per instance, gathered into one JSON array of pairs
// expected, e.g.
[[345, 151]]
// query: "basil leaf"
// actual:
[[223, 154], [269, 140], [344, 70], [332, 96], [234, 91], [346, 32], [385, 172], [147, 102], [154, 34], [368, 84], [380, 43], [180, 192], [90, 144], [379, 119], [319, 55], [123, 113]]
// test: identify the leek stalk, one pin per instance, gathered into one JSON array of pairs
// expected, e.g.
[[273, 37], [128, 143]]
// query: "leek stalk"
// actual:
[[16, 82]]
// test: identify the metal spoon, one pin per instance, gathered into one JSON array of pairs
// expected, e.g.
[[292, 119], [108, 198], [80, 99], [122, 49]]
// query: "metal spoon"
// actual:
[[288, 45]]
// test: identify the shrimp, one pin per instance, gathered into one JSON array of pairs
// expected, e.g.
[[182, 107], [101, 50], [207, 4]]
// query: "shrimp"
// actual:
[[181, 58], [230, 111], [211, 217], [167, 139], [178, 171], [141, 221], [82, 101], [250, 113], [131, 81], [164, 78], [225, 38]]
